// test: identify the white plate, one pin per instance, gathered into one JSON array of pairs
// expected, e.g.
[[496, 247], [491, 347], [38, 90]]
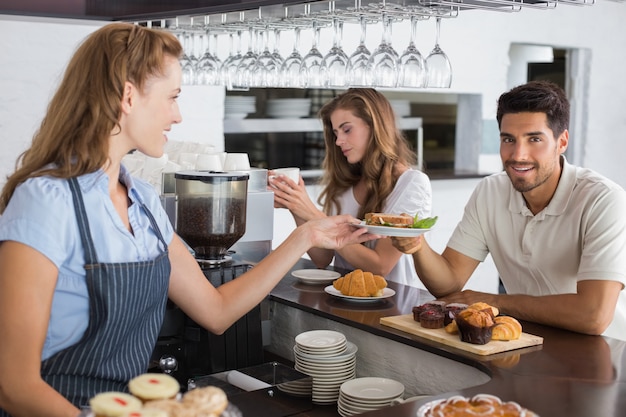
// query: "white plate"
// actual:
[[326, 372], [392, 231], [320, 338], [321, 352], [348, 353], [235, 116], [387, 292], [316, 276], [373, 388]]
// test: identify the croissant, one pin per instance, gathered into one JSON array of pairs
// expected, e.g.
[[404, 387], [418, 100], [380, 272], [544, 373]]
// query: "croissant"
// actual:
[[506, 328], [360, 284], [483, 306]]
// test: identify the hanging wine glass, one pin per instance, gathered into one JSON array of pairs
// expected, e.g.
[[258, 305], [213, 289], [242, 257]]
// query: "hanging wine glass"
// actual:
[[384, 60], [209, 65], [229, 66], [412, 63], [188, 61], [276, 51], [243, 75], [311, 70], [438, 65], [291, 66], [335, 62], [265, 71], [358, 62]]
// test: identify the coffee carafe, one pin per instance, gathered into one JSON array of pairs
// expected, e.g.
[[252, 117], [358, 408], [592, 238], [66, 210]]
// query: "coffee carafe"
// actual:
[[211, 211]]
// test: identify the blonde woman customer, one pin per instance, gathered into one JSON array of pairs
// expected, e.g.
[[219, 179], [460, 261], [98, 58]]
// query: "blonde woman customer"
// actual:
[[368, 167]]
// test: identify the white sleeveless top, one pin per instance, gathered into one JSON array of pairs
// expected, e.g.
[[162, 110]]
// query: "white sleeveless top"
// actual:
[[412, 194]]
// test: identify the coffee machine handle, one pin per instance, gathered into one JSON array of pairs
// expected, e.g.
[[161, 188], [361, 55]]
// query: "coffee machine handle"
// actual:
[[168, 364]]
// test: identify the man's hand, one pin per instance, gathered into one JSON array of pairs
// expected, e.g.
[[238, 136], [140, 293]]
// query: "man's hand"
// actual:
[[408, 245]]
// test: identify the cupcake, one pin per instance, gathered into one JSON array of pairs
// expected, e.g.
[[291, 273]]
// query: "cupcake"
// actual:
[[113, 404], [430, 305], [475, 326], [154, 386], [451, 310], [431, 319]]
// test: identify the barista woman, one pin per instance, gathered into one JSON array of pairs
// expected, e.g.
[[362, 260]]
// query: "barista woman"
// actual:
[[367, 168], [87, 255]]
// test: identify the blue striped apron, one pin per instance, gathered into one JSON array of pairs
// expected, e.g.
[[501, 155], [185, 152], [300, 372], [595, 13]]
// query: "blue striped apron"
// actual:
[[126, 308]]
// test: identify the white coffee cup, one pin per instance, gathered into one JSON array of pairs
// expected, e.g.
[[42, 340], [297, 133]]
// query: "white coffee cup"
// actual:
[[236, 162], [209, 162], [292, 173], [152, 167], [187, 160]]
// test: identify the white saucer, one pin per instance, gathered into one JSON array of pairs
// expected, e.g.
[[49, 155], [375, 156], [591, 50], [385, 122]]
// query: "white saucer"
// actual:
[[373, 388], [316, 276], [320, 339]]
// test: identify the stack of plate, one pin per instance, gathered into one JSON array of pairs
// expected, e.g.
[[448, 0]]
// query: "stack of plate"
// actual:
[[365, 394], [329, 358], [288, 108], [401, 108], [238, 107]]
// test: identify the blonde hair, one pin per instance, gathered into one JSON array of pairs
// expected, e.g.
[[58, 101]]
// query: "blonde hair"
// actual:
[[387, 148], [73, 138]]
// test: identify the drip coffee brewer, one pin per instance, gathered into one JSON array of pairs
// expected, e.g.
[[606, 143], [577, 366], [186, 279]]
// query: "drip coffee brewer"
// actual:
[[211, 212]]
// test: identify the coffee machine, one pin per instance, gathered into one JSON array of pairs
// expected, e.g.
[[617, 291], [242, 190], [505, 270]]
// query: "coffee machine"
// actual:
[[226, 218]]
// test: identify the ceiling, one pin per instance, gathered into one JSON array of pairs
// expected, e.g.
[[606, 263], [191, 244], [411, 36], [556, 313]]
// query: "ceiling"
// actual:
[[127, 9]]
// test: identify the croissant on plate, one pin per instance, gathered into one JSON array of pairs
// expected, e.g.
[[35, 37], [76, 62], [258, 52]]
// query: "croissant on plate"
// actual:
[[360, 284]]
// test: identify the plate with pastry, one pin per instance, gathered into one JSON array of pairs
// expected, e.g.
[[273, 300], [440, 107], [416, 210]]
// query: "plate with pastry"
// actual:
[[361, 286], [387, 292], [397, 225], [315, 276], [478, 405]]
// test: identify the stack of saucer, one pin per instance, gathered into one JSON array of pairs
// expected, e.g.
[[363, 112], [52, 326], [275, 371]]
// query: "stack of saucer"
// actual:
[[401, 108], [238, 107], [365, 394], [329, 358], [288, 108]]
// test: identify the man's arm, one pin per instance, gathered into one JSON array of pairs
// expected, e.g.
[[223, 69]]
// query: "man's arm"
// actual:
[[590, 310], [441, 274]]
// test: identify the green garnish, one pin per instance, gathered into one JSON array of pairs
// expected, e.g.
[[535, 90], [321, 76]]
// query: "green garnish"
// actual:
[[425, 223]]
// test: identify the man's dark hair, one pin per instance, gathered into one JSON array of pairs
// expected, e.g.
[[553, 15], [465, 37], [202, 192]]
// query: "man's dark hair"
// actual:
[[537, 97]]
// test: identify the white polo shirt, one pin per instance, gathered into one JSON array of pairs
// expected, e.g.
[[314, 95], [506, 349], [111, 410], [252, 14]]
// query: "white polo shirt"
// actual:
[[580, 235]]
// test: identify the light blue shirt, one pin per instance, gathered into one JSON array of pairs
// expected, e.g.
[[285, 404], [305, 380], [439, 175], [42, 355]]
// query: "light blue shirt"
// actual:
[[41, 215]]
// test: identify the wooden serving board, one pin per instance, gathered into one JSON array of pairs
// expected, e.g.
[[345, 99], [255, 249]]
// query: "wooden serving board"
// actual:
[[407, 324]]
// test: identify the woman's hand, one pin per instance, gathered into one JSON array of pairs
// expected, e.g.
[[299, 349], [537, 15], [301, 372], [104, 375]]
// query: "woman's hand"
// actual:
[[335, 232], [408, 245], [292, 196]]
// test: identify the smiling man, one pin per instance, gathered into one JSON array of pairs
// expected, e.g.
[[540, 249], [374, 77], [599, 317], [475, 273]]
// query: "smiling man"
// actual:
[[556, 232]]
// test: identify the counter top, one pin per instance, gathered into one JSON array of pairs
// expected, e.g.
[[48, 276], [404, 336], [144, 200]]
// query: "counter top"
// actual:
[[571, 374]]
